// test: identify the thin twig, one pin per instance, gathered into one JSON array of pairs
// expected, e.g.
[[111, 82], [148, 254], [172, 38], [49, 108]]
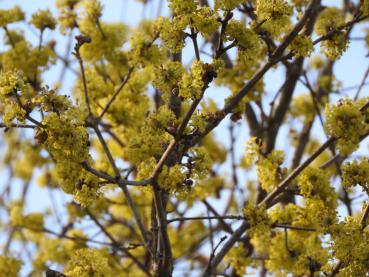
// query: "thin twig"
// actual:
[[118, 90]]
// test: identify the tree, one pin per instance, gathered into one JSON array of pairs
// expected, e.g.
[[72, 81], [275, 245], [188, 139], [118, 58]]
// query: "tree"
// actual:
[[148, 187]]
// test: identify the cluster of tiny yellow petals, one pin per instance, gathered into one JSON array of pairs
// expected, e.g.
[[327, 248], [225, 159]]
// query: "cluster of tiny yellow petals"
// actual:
[[330, 19], [143, 51], [172, 32], [49, 101], [9, 266], [302, 46], [275, 15], [10, 81], [346, 123], [150, 139], [269, 169], [192, 85], [66, 137], [350, 245], [11, 84], [258, 219], [43, 19], [356, 173], [205, 21], [93, 8], [295, 253], [335, 47], [227, 5], [106, 38], [26, 58], [32, 221], [252, 151], [12, 15], [88, 263], [67, 17], [167, 77], [172, 178], [314, 184], [180, 7], [29, 161], [303, 107], [239, 258], [244, 37]]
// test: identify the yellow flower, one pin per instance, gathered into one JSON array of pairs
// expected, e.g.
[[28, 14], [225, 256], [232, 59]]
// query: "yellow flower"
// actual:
[[88, 263], [43, 19], [9, 266]]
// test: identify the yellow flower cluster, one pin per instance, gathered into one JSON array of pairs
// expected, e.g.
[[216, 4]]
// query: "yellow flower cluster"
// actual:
[[106, 38], [303, 107], [346, 123], [67, 17], [11, 84], [356, 173], [49, 101], [239, 259], [29, 161], [43, 19], [172, 32], [314, 184], [172, 179], [296, 253], [269, 169], [32, 221], [258, 219], [167, 77], [205, 21], [180, 7], [328, 20], [9, 266], [192, 85], [144, 52], [12, 15], [56, 250], [149, 139], [186, 13], [185, 238], [227, 5], [275, 15], [260, 227], [66, 139], [253, 149], [29, 60], [302, 46], [351, 247], [88, 263], [93, 8], [244, 37]]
